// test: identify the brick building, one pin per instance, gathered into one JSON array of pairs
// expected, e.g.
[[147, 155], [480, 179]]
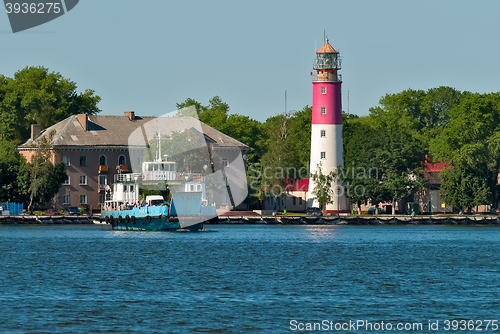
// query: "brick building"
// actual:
[[96, 148]]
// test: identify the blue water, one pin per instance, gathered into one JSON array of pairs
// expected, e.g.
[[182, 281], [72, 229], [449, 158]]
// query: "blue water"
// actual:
[[245, 279]]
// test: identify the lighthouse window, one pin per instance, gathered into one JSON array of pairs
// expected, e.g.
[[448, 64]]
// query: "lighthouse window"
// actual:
[[323, 155], [323, 110], [323, 90], [323, 133]]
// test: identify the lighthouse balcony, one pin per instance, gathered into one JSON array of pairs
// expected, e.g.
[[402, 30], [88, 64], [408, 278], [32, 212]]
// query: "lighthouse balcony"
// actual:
[[326, 76], [327, 64]]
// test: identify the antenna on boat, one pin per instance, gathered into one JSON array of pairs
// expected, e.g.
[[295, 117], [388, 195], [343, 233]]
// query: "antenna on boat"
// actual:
[[159, 145]]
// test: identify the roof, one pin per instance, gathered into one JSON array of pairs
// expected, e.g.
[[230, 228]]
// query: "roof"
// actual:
[[120, 131], [327, 48]]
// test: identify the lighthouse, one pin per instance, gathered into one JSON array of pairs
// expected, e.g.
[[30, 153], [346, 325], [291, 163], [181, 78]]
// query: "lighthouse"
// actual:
[[326, 132]]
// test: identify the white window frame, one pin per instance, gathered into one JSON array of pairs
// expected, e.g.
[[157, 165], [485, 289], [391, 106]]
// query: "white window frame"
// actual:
[[85, 199], [323, 133], [323, 110], [323, 155], [103, 177], [64, 199], [85, 180], [66, 182], [323, 90], [66, 159], [225, 162]]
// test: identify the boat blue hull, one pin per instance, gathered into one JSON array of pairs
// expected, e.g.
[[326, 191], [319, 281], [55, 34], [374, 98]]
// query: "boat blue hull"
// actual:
[[154, 218]]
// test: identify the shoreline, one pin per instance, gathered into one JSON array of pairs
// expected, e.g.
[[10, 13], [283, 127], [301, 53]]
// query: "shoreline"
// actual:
[[486, 220]]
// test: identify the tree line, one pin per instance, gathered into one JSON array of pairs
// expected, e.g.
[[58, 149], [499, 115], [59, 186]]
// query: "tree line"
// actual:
[[385, 152], [35, 96]]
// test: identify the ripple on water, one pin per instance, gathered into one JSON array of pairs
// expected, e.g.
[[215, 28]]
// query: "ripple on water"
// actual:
[[61, 279]]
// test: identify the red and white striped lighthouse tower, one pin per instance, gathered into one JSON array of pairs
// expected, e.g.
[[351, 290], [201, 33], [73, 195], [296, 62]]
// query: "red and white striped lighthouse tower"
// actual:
[[326, 133]]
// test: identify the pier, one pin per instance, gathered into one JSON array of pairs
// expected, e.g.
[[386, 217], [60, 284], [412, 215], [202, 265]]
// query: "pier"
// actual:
[[242, 219]]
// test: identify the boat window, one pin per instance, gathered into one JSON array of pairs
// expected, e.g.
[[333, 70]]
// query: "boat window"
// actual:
[[124, 188], [150, 167]]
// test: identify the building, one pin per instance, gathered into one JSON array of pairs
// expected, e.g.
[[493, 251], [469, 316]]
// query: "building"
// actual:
[[326, 133], [97, 148]]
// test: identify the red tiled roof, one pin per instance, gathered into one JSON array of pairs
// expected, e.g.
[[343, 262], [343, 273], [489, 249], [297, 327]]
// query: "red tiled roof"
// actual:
[[435, 167], [327, 48]]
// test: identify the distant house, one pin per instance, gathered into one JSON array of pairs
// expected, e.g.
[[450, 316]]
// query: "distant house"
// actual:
[[96, 148], [295, 199]]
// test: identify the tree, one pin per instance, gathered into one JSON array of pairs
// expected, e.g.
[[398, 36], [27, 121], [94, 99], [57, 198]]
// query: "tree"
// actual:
[[469, 143], [323, 191], [37, 96], [280, 164], [383, 151], [10, 164], [40, 179]]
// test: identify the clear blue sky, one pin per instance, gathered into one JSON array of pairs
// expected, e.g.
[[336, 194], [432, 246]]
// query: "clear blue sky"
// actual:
[[147, 55]]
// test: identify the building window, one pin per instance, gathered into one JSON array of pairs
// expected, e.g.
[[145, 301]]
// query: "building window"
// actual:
[[102, 199], [300, 200], [66, 160], [65, 199], [103, 180], [103, 160], [225, 162], [323, 133], [83, 179], [323, 155], [323, 110], [139, 161], [83, 199], [323, 90], [66, 182], [122, 160], [83, 161]]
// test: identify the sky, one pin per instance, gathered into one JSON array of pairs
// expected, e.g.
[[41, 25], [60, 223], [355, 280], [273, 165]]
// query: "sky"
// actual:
[[146, 56]]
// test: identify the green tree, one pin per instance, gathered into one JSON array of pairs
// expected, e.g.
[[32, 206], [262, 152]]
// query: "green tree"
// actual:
[[37, 96], [40, 179], [469, 143], [323, 191], [280, 164], [10, 164]]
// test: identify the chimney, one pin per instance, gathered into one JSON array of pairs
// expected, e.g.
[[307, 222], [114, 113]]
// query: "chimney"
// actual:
[[35, 131], [130, 114], [82, 119]]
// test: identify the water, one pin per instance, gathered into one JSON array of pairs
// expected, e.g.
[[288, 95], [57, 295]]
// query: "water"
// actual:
[[245, 279]]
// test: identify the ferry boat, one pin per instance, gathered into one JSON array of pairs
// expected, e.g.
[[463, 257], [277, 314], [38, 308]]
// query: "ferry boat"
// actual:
[[181, 210]]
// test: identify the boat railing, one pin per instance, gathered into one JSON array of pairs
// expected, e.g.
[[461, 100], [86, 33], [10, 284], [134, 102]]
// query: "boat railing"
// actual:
[[158, 176]]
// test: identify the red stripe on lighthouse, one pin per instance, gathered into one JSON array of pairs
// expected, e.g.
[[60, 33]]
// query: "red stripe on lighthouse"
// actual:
[[331, 101]]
